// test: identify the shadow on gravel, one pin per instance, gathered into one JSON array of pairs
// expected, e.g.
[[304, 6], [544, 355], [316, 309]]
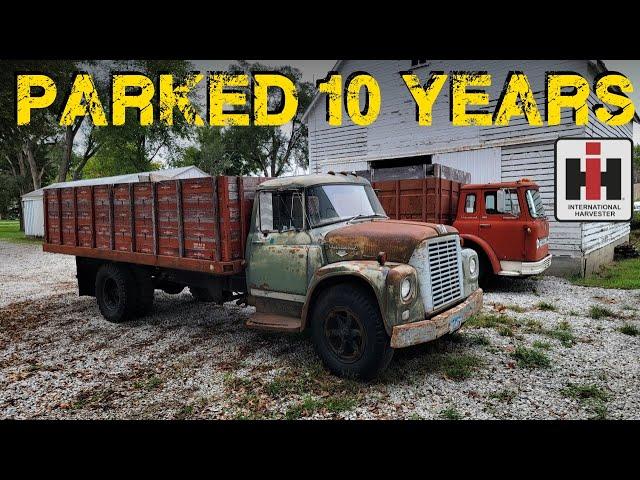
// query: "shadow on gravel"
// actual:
[[512, 285]]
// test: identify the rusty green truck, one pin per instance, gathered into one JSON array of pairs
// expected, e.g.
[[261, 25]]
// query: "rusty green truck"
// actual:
[[313, 253]]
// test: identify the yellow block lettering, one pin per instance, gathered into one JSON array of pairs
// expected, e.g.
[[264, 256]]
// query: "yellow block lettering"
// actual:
[[26, 102], [141, 101], [424, 96], [83, 100], [289, 101]]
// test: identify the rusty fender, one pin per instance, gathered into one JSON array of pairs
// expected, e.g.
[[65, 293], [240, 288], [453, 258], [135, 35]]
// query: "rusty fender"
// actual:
[[383, 279]]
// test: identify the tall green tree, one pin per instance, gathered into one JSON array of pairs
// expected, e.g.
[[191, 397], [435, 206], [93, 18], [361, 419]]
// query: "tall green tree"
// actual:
[[271, 151]]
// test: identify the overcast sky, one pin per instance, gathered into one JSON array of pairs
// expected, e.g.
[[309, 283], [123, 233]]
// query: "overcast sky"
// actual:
[[313, 70]]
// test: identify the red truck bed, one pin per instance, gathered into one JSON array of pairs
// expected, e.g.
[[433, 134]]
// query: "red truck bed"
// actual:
[[198, 224], [431, 199]]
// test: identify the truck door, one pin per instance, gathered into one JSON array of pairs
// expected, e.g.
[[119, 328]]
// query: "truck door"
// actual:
[[501, 224], [278, 247], [467, 215]]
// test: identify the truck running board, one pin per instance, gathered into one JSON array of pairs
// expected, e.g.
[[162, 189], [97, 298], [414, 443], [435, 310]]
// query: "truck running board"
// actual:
[[274, 323]]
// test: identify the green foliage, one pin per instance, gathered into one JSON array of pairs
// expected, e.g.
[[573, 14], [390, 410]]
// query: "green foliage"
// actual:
[[546, 306], [450, 413], [531, 358], [598, 311], [539, 345], [622, 274], [629, 329], [10, 230], [459, 367], [272, 151], [309, 405]]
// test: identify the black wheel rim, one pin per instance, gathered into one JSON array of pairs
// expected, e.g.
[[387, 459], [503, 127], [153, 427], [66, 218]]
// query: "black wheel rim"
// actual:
[[345, 334], [111, 294]]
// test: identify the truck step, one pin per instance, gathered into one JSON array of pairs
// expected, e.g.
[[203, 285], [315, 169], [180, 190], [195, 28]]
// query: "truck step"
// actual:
[[274, 323]]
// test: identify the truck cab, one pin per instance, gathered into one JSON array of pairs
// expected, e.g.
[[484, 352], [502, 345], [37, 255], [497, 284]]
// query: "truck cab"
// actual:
[[322, 254], [505, 223]]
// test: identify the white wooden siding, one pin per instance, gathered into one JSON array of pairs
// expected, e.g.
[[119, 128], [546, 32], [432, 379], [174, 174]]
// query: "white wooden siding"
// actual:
[[484, 164], [594, 234], [524, 151]]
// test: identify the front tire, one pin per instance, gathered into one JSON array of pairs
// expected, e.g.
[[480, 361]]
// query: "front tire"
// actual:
[[116, 292], [348, 332]]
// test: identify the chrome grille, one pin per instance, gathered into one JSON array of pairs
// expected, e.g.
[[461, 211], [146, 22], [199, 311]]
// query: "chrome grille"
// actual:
[[445, 270]]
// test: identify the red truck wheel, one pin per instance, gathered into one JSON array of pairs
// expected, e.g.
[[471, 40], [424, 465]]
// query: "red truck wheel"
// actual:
[[116, 292], [348, 332]]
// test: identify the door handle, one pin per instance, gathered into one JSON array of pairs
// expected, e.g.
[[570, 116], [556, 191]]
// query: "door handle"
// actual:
[[258, 242], [485, 225]]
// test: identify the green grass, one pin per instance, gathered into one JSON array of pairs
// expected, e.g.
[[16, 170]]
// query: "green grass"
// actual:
[[541, 345], [516, 308], [624, 274], [10, 231], [629, 329], [505, 396], [563, 333], [309, 405], [586, 391], [592, 396], [450, 413], [598, 311], [546, 306], [150, 383], [491, 320], [459, 367], [531, 358]]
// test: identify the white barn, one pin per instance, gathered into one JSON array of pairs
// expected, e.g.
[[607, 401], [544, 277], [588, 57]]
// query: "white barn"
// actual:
[[489, 154]]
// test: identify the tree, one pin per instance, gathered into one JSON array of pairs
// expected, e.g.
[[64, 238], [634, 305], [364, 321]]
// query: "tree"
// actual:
[[137, 146], [272, 150], [211, 154]]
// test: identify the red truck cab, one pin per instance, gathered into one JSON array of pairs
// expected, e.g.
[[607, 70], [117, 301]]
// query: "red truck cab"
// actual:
[[506, 224]]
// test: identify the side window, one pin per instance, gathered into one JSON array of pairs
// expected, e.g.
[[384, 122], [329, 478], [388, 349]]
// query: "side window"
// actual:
[[266, 212], [281, 211], [502, 202], [470, 203], [490, 202]]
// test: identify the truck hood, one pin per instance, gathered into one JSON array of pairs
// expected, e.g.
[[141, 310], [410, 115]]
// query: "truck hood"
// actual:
[[364, 240]]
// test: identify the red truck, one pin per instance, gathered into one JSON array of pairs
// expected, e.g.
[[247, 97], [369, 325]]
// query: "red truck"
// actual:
[[505, 223]]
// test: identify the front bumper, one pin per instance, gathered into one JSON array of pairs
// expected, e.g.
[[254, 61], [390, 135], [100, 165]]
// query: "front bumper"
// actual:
[[446, 322], [516, 269]]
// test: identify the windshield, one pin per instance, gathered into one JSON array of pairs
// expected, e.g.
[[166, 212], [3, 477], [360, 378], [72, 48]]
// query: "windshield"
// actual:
[[534, 201], [335, 203]]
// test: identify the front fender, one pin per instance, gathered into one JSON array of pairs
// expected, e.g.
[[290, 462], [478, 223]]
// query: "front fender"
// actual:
[[486, 248], [384, 280]]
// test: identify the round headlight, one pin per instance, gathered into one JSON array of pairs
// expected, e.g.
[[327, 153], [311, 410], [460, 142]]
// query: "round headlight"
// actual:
[[405, 288], [473, 265]]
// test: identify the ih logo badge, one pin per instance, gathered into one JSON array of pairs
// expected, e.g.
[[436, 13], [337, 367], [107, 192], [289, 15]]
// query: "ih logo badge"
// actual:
[[593, 180]]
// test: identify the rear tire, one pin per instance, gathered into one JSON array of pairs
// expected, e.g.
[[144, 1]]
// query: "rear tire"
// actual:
[[348, 332], [116, 292]]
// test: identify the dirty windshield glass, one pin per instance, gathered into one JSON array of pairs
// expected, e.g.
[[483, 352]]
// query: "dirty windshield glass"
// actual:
[[534, 200], [335, 203]]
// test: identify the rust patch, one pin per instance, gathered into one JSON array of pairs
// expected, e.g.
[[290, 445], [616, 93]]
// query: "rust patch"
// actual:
[[397, 238]]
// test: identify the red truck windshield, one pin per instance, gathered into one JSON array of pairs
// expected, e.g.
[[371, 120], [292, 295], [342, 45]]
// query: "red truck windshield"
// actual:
[[534, 201]]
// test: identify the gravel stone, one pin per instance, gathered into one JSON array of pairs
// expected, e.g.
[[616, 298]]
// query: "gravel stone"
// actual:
[[60, 359]]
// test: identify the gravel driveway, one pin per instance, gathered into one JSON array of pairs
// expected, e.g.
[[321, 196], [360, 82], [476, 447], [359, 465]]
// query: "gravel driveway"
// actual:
[[535, 353]]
